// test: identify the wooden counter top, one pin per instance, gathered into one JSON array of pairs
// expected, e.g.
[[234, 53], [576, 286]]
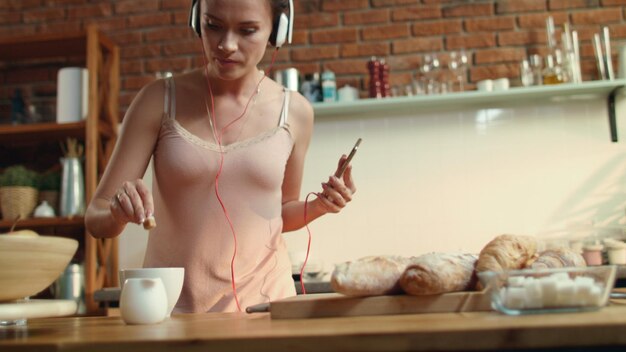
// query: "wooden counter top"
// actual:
[[257, 332]]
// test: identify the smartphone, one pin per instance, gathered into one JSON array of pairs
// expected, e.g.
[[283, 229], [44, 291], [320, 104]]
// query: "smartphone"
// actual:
[[345, 164]]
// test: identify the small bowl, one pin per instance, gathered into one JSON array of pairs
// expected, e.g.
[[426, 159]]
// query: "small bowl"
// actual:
[[532, 291], [172, 280]]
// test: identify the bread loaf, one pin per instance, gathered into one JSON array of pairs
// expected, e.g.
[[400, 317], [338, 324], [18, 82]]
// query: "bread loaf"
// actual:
[[369, 276], [507, 252], [558, 258], [437, 273]]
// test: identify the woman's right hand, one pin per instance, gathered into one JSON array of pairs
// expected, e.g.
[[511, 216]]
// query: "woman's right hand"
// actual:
[[132, 202]]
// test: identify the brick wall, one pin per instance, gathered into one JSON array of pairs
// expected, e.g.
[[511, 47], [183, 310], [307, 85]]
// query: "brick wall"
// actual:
[[340, 35]]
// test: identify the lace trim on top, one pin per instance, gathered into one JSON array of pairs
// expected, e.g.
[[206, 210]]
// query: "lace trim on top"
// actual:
[[169, 119], [192, 138]]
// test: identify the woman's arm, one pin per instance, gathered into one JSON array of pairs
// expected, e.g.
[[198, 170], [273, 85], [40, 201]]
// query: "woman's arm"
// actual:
[[121, 196], [336, 193]]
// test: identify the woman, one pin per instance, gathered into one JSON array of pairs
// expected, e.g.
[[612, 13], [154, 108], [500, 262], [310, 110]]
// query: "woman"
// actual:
[[224, 119]]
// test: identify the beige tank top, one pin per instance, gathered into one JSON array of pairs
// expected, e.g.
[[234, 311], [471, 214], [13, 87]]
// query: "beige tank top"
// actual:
[[193, 231]]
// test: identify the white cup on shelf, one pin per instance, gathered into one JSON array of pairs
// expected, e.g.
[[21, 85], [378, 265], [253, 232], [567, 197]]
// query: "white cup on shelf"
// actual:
[[486, 85], [501, 84]]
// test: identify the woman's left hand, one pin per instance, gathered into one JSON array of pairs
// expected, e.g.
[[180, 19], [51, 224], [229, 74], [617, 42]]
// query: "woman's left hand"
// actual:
[[338, 191]]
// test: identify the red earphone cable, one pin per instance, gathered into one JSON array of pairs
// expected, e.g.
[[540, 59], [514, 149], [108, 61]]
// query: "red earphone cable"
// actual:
[[308, 246], [218, 139]]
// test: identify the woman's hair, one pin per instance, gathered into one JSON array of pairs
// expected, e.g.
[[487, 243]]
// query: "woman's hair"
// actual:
[[278, 7]]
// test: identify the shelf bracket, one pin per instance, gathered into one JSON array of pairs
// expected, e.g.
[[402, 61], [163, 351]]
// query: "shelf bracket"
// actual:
[[611, 110]]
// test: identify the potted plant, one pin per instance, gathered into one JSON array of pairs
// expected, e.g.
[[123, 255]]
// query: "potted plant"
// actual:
[[49, 188], [18, 192]]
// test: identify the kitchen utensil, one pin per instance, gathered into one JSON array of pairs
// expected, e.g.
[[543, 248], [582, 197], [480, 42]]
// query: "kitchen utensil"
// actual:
[[172, 279], [143, 301], [532, 291], [338, 305]]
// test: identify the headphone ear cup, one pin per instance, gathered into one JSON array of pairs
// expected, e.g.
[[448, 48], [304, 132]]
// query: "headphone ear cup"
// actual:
[[194, 18], [281, 29]]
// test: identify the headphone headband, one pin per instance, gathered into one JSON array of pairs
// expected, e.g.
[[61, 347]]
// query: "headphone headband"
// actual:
[[282, 28]]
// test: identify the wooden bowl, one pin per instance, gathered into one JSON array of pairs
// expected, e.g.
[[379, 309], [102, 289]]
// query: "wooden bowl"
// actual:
[[29, 264]]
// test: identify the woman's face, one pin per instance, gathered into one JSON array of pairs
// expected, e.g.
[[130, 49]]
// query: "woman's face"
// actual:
[[235, 34]]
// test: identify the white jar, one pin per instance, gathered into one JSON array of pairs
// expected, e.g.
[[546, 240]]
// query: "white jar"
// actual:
[[143, 301]]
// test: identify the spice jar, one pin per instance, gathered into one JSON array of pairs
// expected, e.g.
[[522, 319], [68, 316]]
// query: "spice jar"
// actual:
[[593, 254], [616, 251]]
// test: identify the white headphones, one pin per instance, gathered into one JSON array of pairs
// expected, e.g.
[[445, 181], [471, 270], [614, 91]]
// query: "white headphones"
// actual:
[[282, 29]]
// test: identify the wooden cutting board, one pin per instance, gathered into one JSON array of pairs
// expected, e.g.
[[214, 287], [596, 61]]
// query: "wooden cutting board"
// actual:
[[338, 305]]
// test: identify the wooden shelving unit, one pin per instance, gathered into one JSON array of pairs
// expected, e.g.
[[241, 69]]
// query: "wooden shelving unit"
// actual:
[[98, 132]]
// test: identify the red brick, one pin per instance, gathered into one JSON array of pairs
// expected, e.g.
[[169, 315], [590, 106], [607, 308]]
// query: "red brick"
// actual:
[[110, 24], [429, 28], [489, 24], [416, 45], [181, 18], [300, 37], [468, 10], [43, 15], [499, 55], [175, 4], [136, 82], [571, 4], [141, 21], [366, 17], [303, 68], [317, 20], [416, 13], [613, 2], [381, 3], [522, 38], [178, 64], [19, 4], [385, 32], [478, 73], [338, 35], [483, 40], [149, 50], [22, 30], [91, 11], [137, 6], [131, 67], [347, 66], [404, 62], [364, 49], [192, 46], [601, 16], [315, 53], [538, 21], [618, 31], [341, 5], [165, 34], [517, 6], [124, 38], [59, 27]]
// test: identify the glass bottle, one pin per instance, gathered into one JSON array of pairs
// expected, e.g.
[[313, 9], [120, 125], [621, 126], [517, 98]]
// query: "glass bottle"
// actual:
[[552, 73], [526, 74]]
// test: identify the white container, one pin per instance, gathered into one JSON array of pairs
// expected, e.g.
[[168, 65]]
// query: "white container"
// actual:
[[70, 94], [143, 301], [348, 93], [485, 85], [172, 279], [617, 256], [501, 84]]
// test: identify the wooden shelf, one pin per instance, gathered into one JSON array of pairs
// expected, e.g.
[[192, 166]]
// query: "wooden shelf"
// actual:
[[34, 223], [41, 132], [469, 99]]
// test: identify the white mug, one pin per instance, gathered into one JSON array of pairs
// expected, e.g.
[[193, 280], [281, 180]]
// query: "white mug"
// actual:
[[348, 93], [485, 85], [143, 301], [501, 84]]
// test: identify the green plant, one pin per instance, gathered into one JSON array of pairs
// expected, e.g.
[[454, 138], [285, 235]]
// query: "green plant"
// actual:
[[18, 175], [50, 181]]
